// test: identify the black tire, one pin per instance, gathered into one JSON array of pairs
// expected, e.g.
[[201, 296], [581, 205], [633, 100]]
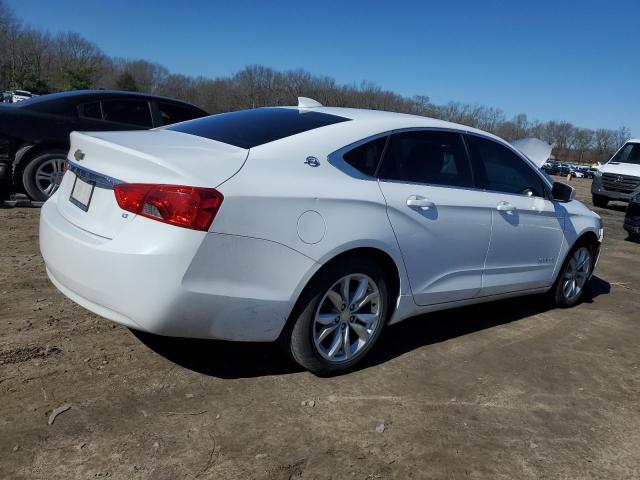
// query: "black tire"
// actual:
[[298, 338], [31, 184], [557, 293], [634, 237], [600, 201]]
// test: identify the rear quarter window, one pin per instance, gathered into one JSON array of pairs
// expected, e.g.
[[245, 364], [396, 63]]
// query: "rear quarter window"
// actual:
[[365, 157], [250, 128]]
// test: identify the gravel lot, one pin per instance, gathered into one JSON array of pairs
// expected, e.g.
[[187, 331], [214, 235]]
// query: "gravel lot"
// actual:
[[510, 389]]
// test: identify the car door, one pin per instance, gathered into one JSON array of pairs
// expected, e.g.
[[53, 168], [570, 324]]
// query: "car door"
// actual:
[[426, 179], [527, 227]]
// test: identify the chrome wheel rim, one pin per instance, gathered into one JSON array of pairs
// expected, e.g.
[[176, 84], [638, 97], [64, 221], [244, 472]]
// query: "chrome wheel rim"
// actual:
[[49, 175], [347, 317], [577, 273]]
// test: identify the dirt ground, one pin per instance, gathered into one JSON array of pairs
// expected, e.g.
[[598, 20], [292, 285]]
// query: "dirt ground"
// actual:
[[510, 390]]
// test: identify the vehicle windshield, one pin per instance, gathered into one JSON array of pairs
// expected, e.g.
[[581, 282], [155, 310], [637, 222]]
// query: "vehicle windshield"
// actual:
[[630, 153], [250, 128]]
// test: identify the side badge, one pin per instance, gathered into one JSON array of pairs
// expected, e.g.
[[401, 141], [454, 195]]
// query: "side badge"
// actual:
[[78, 155], [312, 162]]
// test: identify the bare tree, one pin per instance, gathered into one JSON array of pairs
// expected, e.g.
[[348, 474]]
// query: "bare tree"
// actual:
[[34, 60]]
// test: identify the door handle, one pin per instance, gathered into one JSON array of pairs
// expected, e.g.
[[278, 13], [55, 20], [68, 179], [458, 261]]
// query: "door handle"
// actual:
[[506, 207], [415, 201]]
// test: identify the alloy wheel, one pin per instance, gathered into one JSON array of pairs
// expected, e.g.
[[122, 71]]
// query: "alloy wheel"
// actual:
[[347, 317], [577, 273], [49, 175]]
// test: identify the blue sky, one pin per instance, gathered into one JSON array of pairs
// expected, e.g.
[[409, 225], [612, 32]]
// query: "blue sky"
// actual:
[[571, 60]]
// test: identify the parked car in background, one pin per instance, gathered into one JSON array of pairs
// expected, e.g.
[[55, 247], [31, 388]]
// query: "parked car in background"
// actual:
[[34, 133], [591, 172], [20, 95], [311, 225], [632, 217], [576, 172], [619, 178]]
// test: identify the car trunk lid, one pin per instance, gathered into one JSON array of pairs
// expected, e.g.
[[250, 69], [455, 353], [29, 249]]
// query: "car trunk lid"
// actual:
[[100, 160]]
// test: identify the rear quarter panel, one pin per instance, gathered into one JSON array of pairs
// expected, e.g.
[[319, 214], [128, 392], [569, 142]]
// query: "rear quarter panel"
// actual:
[[317, 211]]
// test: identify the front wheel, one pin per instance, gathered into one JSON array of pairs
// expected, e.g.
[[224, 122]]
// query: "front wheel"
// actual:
[[572, 279], [339, 318], [600, 201]]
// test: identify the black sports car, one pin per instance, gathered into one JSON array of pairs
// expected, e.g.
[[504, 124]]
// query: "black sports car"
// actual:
[[34, 133]]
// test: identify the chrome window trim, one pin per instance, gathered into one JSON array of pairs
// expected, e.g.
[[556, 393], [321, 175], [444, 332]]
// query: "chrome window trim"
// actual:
[[339, 153]]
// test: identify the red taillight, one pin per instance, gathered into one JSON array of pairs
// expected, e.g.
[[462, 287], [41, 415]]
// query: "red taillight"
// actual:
[[188, 207]]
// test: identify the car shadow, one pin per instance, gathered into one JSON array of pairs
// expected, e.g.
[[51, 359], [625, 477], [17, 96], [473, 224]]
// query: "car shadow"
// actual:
[[445, 325], [232, 360], [219, 358]]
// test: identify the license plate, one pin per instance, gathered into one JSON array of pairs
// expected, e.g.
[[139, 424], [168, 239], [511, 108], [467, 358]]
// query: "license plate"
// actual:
[[81, 193]]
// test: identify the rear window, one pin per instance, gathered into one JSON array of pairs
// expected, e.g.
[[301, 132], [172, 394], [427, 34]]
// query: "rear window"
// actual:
[[250, 128]]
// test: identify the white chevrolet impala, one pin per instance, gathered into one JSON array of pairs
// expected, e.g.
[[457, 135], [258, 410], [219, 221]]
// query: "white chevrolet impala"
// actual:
[[310, 225]]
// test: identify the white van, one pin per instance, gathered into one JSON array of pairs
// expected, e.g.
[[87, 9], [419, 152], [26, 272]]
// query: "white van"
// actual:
[[619, 178]]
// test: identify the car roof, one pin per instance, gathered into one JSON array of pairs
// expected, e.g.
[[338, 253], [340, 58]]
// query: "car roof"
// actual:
[[77, 96], [395, 119]]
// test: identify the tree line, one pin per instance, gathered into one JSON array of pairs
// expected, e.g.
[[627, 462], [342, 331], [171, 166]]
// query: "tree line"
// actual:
[[34, 60]]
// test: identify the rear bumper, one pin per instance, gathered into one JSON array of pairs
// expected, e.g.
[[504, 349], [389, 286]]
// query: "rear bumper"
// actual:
[[173, 281]]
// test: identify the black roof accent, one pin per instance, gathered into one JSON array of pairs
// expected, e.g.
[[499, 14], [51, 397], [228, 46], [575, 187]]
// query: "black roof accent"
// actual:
[[250, 128]]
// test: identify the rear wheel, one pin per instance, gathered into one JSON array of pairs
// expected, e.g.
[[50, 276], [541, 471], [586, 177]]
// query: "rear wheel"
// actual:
[[43, 174], [600, 201], [572, 280], [339, 318]]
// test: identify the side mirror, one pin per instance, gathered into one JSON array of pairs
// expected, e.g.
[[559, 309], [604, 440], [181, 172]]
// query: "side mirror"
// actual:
[[561, 192]]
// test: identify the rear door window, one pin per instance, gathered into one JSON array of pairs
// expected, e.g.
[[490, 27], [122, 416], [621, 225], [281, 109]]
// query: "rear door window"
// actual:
[[130, 112], [250, 128], [430, 157], [91, 110]]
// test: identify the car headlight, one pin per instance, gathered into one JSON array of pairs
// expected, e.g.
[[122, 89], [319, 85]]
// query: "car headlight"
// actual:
[[597, 173]]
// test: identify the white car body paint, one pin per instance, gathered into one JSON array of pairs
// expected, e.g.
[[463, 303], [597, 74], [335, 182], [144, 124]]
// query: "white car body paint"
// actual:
[[621, 174], [281, 220]]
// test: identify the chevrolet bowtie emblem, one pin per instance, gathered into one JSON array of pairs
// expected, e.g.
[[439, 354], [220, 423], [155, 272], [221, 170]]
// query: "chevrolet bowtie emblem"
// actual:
[[78, 155]]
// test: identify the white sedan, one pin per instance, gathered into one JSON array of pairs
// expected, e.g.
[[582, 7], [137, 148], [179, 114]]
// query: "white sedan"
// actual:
[[310, 225]]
